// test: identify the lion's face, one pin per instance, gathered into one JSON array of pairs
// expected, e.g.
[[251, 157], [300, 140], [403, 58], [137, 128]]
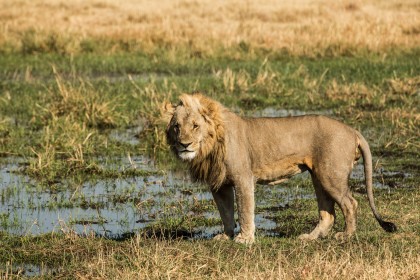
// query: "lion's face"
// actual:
[[195, 133], [187, 132]]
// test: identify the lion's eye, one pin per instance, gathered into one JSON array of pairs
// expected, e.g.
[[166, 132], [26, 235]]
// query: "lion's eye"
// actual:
[[195, 126]]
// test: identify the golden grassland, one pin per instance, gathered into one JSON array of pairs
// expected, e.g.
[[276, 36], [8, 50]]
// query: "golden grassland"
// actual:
[[301, 27]]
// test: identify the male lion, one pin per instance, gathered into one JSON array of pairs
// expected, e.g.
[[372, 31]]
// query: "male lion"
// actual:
[[231, 153]]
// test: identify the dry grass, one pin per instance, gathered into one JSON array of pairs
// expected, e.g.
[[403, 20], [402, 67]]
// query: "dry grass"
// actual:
[[141, 258], [297, 27], [61, 151], [80, 103], [71, 116], [177, 261], [266, 80]]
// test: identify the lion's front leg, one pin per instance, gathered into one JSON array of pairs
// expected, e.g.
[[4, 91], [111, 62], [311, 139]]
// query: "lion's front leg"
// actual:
[[224, 198], [244, 190]]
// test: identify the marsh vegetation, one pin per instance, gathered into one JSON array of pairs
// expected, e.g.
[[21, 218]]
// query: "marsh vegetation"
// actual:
[[88, 188]]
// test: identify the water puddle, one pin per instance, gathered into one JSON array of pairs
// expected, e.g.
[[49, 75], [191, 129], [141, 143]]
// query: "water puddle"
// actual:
[[130, 162], [116, 207], [275, 112], [382, 179], [128, 136], [26, 270], [106, 207], [92, 77]]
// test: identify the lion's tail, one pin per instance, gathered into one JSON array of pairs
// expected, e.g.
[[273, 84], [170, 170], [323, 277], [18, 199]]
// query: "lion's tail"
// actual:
[[367, 160]]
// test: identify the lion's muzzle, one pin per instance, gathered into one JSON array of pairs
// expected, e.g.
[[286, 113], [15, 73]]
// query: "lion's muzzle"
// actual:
[[185, 151]]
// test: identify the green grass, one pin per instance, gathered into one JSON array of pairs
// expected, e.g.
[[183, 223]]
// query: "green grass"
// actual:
[[92, 92]]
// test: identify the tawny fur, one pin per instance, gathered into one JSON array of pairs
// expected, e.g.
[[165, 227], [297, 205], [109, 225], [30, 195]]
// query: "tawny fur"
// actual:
[[231, 154]]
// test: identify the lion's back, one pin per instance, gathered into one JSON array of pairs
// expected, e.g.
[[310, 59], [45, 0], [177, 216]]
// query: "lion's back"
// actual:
[[270, 140]]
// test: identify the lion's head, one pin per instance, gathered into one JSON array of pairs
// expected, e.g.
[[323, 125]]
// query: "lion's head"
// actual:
[[192, 130], [195, 134]]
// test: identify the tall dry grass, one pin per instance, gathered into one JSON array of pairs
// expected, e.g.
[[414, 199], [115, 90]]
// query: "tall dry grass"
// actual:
[[140, 258], [301, 27], [173, 260]]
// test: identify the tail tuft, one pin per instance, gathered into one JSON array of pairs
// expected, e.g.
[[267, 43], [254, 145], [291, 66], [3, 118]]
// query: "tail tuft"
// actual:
[[388, 226]]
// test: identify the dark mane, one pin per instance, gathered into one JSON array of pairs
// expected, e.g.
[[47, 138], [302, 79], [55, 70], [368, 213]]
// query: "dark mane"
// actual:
[[209, 164]]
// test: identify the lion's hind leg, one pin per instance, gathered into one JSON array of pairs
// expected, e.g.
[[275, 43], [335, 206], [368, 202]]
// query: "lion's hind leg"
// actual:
[[337, 188], [326, 213], [348, 206]]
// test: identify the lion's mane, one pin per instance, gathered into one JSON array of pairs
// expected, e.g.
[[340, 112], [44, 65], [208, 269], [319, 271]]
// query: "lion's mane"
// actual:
[[208, 166]]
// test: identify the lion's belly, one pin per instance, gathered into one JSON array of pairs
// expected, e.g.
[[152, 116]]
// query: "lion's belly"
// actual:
[[278, 170]]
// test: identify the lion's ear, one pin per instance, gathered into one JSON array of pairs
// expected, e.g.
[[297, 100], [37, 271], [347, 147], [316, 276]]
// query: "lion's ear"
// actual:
[[209, 109], [167, 110]]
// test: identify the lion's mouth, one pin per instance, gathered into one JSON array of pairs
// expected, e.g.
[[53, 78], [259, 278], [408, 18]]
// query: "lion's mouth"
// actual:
[[186, 154], [184, 150]]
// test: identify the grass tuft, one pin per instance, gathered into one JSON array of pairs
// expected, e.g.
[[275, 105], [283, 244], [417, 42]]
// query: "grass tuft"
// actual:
[[61, 152], [82, 104]]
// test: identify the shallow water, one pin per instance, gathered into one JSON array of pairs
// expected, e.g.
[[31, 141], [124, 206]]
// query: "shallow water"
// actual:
[[127, 136], [27, 269], [275, 112], [115, 207], [105, 207], [379, 176], [112, 207]]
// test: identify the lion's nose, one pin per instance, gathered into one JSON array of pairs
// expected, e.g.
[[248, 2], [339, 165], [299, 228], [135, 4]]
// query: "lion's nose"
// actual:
[[185, 145]]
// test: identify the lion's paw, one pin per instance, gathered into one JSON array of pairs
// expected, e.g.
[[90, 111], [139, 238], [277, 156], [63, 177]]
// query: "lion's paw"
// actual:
[[342, 236], [221, 237], [247, 240], [307, 237]]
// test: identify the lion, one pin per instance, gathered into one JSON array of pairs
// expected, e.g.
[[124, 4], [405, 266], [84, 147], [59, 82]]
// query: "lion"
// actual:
[[232, 153]]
